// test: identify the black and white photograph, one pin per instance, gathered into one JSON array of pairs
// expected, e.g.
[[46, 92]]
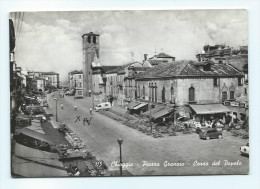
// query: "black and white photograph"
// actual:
[[123, 93]]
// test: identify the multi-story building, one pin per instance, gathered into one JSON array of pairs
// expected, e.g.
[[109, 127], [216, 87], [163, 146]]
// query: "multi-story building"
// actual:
[[194, 87], [40, 82], [216, 53], [51, 78], [116, 86], [76, 82]]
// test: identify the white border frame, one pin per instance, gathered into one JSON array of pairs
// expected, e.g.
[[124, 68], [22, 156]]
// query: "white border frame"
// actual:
[[251, 181]]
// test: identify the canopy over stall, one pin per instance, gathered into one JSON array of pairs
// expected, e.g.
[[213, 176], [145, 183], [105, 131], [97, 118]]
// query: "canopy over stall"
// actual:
[[140, 106], [35, 135], [162, 113], [209, 108], [131, 105], [29, 162]]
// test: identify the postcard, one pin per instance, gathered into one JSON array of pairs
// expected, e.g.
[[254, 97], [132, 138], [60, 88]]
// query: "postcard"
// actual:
[[129, 93]]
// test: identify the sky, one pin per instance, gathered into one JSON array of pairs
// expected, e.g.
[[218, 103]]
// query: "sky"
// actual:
[[52, 41]]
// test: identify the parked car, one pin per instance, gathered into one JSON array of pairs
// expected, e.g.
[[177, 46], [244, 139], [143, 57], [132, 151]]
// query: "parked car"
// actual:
[[244, 150], [103, 106], [67, 93], [210, 133], [43, 118]]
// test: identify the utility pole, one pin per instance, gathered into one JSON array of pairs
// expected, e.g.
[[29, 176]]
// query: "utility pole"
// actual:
[[93, 101], [150, 112], [56, 99]]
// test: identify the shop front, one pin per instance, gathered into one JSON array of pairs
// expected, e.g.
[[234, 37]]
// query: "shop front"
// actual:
[[209, 112]]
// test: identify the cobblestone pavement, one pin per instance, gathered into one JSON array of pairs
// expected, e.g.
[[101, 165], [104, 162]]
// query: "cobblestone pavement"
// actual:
[[188, 154]]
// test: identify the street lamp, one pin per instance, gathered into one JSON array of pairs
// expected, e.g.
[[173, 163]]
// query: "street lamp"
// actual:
[[56, 99], [120, 141]]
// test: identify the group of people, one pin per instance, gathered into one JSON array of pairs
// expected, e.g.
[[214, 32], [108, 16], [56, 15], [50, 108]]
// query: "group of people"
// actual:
[[85, 120]]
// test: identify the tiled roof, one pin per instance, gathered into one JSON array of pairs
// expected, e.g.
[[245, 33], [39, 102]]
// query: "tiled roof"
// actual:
[[141, 68], [108, 68], [115, 70], [202, 63], [188, 69], [121, 68]]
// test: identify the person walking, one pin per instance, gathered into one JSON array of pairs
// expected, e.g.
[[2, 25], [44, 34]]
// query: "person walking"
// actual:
[[90, 111], [78, 118], [61, 106], [75, 108], [85, 120], [89, 120]]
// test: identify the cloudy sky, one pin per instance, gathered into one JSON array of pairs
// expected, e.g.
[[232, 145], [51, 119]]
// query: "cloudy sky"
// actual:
[[51, 41]]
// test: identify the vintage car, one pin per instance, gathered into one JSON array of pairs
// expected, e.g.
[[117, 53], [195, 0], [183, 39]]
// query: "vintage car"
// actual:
[[244, 150], [210, 133], [43, 118], [103, 106]]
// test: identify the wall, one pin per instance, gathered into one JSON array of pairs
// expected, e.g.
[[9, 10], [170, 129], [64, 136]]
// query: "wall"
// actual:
[[40, 84], [111, 84], [205, 91], [238, 61]]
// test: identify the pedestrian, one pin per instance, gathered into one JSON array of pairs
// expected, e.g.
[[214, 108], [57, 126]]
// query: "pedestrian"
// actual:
[[90, 111], [85, 120], [61, 106], [47, 106], [75, 108], [89, 120], [78, 118]]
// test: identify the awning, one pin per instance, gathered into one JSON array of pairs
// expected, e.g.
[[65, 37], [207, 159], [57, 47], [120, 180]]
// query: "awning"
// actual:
[[29, 162], [131, 105], [37, 156], [35, 135], [162, 113], [36, 129], [154, 110], [26, 168], [209, 108], [140, 106]]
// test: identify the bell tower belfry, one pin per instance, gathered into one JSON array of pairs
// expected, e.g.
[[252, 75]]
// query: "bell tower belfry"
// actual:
[[90, 48]]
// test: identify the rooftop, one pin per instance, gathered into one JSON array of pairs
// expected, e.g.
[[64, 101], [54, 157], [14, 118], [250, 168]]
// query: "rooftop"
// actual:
[[76, 72], [121, 69], [155, 62], [90, 34], [189, 69], [46, 73], [164, 55]]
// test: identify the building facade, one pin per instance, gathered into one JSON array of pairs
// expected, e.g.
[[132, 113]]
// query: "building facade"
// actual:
[[185, 83], [76, 82], [51, 78]]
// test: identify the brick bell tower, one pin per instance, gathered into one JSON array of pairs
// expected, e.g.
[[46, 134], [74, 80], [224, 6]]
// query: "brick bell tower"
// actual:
[[90, 47]]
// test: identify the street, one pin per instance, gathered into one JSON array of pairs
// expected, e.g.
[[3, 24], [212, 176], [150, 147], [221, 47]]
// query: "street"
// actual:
[[145, 155]]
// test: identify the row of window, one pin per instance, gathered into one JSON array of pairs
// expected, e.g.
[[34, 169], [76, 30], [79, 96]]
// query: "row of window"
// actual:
[[191, 97], [239, 81]]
